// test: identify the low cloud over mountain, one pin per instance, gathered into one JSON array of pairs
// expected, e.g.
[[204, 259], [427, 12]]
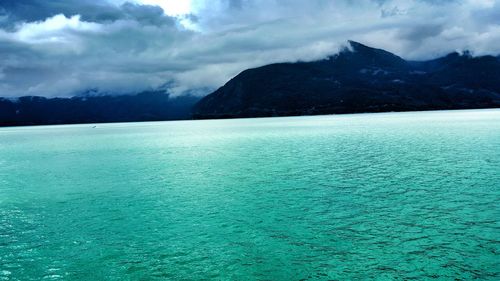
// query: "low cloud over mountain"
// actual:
[[65, 47]]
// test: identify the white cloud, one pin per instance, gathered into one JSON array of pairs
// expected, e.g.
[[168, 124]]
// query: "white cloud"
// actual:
[[171, 7], [58, 34]]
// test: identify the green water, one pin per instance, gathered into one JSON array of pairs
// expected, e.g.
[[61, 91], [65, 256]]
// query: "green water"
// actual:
[[396, 196]]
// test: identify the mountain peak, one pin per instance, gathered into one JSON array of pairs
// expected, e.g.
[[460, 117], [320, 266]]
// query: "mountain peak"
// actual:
[[356, 46], [366, 55], [361, 48]]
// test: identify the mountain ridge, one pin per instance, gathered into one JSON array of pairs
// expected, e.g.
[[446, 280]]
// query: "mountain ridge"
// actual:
[[144, 106], [357, 79]]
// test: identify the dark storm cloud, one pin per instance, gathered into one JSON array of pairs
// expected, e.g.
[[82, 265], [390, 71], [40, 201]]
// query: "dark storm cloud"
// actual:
[[64, 47], [92, 11], [36, 10]]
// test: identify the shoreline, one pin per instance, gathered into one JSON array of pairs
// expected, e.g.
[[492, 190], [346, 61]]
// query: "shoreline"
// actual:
[[247, 118]]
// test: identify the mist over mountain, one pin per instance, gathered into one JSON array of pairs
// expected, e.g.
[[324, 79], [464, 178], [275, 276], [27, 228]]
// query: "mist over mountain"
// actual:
[[358, 79], [60, 48]]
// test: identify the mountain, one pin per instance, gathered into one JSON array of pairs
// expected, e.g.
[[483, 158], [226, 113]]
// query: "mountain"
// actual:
[[146, 106], [358, 79]]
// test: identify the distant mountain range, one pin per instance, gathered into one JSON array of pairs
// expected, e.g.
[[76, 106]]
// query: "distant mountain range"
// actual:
[[146, 106], [358, 79]]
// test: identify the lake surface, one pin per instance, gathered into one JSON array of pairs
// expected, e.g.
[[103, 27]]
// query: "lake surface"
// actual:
[[395, 196]]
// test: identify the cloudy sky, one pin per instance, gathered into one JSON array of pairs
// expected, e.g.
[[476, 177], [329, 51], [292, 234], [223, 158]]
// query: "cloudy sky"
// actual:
[[66, 47]]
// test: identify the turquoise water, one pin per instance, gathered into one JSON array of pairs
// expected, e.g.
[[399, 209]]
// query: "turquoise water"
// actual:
[[396, 196]]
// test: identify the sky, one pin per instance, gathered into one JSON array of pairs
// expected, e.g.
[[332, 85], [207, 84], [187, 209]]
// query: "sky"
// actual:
[[71, 47]]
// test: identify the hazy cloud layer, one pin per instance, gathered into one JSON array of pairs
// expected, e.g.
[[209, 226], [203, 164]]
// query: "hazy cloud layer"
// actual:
[[66, 47]]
